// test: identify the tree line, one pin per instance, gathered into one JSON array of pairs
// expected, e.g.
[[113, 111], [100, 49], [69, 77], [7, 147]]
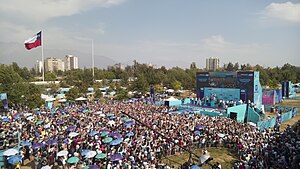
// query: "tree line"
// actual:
[[139, 77]]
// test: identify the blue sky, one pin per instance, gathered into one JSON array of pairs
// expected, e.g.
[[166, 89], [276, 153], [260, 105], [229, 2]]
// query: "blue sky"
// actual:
[[160, 32]]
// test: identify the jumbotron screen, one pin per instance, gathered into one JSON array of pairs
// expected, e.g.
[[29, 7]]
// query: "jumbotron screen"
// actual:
[[217, 79]]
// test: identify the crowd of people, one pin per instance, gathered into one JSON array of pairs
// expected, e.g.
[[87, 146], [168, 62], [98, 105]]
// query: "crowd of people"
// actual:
[[100, 135]]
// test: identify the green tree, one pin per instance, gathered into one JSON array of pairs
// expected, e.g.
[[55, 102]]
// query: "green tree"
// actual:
[[236, 66], [176, 85], [139, 85], [73, 93], [50, 76], [229, 67], [33, 96], [193, 65], [98, 94], [122, 95], [158, 88]]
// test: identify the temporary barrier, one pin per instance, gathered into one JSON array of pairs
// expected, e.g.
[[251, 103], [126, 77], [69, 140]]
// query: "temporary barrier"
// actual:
[[270, 123]]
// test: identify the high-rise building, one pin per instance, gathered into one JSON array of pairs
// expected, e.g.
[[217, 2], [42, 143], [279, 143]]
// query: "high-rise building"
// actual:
[[38, 67], [212, 64], [53, 65], [71, 62]]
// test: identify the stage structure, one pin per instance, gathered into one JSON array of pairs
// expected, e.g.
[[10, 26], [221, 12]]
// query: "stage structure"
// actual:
[[288, 89], [230, 86]]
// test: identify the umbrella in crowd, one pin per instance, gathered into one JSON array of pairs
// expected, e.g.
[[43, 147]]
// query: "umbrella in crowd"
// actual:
[[37, 145], [93, 132], [73, 134], [107, 140], [195, 167], [94, 167], [39, 122], [114, 142], [10, 152], [25, 143], [51, 142], [73, 160], [71, 128], [102, 115], [116, 157], [129, 134], [90, 154], [14, 159], [129, 122], [115, 135], [100, 156], [5, 119], [104, 134], [98, 112], [104, 130], [84, 152], [199, 127], [112, 117], [204, 158], [46, 167], [47, 125], [221, 135], [197, 132], [108, 115], [62, 153], [60, 122]]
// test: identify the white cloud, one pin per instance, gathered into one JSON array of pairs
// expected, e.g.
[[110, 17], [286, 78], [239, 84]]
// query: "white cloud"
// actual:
[[22, 18], [287, 11], [216, 42], [41, 10]]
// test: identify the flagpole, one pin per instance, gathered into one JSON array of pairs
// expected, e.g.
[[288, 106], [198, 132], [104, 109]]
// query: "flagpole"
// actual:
[[43, 64], [93, 60]]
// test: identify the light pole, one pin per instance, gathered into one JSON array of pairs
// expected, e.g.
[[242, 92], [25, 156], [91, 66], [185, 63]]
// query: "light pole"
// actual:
[[93, 60]]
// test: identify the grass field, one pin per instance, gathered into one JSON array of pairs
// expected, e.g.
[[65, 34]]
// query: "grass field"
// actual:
[[290, 103], [224, 156]]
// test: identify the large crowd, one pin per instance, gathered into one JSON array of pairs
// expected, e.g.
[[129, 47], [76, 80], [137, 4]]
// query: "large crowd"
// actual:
[[99, 134]]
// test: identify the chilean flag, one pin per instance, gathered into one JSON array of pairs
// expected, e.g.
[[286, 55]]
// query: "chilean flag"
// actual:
[[34, 42]]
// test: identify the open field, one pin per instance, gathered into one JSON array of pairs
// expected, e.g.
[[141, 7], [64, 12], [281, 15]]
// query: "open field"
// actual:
[[224, 156], [290, 103]]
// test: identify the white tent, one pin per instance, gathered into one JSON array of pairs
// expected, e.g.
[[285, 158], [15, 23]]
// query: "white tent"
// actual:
[[62, 100], [171, 99], [81, 99], [49, 99], [170, 90]]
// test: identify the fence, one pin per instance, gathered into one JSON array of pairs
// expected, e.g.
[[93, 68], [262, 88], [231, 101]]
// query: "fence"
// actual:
[[270, 123]]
